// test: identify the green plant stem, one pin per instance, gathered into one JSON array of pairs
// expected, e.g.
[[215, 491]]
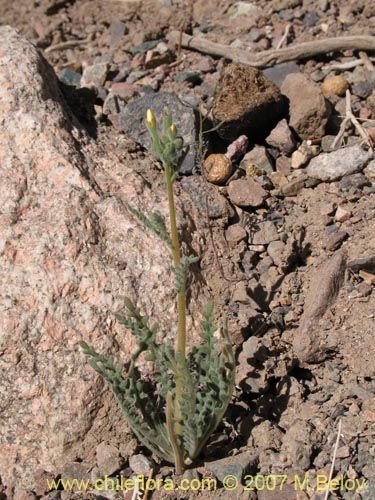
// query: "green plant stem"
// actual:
[[178, 456]]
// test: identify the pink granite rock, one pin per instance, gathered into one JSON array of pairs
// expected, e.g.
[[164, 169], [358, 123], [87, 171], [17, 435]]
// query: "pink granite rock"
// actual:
[[70, 251]]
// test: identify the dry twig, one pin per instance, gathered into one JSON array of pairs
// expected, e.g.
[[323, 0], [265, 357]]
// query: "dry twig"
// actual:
[[349, 117], [366, 61], [275, 56], [284, 37], [68, 44], [333, 459], [343, 66]]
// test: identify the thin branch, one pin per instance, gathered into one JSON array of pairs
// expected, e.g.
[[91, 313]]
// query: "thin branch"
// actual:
[[276, 56], [343, 66], [333, 459], [349, 117], [284, 37], [366, 61], [68, 44]]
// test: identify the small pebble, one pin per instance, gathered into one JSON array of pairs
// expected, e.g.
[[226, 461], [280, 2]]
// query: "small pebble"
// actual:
[[336, 85], [95, 75], [336, 239], [217, 168], [328, 208], [246, 193], [281, 137], [363, 89], [187, 77], [342, 214], [140, 464], [235, 233]]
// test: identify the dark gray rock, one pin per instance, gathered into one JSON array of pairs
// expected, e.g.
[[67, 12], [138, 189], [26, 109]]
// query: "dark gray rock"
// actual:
[[132, 122], [145, 46], [278, 73], [363, 89], [232, 466], [357, 181], [336, 240], [310, 19], [187, 77], [199, 190], [70, 77]]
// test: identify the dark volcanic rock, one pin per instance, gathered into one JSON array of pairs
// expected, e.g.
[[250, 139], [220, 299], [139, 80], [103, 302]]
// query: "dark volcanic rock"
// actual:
[[246, 103], [206, 197], [132, 122]]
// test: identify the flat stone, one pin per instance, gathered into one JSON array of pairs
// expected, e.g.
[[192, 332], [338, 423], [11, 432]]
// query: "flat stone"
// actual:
[[132, 121], [342, 214], [327, 142], [356, 181], [335, 165], [283, 165], [281, 137], [336, 240], [108, 458], [293, 187], [246, 192], [199, 189], [124, 90], [363, 89], [232, 466], [246, 103], [308, 108], [278, 179], [278, 73], [310, 19], [235, 233], [366, 263], [95, 75], [266, 233], [187, 77], [140, 464], [258, 157], [142, 48], [70, 77]]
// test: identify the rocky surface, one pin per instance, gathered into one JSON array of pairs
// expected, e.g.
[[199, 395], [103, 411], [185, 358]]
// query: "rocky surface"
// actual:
[[70, 252], [285, 243]]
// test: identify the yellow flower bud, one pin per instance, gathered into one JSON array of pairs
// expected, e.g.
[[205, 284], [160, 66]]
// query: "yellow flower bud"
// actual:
[[150, 120], [173, 128]]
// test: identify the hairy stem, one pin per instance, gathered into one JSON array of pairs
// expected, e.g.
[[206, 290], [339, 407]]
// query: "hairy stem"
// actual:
[[181, 336], [178, 456]]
